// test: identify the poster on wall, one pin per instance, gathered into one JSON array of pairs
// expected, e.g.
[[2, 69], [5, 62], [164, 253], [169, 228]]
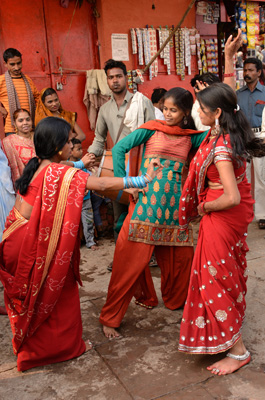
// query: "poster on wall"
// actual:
[[119, 45]]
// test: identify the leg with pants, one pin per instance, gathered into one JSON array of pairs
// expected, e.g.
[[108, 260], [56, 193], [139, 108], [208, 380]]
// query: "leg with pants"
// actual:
[[118, 209], [259, 174], [88, 223], [131, 276]]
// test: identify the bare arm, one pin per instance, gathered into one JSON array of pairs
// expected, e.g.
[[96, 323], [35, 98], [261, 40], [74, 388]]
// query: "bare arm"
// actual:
[[94, 183], [3, 111], [231, 48], [231, 196], [79, 133]]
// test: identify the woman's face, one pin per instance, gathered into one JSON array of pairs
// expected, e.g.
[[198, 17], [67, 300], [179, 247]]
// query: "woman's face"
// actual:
[[173, 115], [67, 148], [52, 102], [23, 123], [207, 116]]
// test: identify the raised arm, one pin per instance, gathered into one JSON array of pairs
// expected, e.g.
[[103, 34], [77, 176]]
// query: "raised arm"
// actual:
[[231, 48]]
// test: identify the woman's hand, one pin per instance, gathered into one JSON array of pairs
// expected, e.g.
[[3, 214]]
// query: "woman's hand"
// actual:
[[154, 163], [232, 45], [88, 160], [134, 193], [200, 86]]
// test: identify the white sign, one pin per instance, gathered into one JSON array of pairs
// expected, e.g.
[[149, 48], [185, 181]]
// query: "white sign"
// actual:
[[119, 44]]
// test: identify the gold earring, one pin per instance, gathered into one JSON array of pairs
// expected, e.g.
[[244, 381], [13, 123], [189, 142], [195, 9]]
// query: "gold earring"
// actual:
[[60, 153]]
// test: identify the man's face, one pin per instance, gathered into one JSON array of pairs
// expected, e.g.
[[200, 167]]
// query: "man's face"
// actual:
[[14, 66], [250, 73], [116, 80]]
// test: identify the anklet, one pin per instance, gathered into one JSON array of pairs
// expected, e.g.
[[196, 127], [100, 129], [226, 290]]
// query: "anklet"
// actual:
[[237, 357]]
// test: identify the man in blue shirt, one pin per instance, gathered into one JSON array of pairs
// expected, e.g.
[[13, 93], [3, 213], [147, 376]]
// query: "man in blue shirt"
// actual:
[[251, 99]]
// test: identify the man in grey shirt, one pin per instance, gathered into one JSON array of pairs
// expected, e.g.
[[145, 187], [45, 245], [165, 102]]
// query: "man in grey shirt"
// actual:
[[111, 116]]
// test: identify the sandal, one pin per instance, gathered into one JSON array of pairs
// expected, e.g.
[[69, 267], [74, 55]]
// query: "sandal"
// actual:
[[261, 223], [138, 303]]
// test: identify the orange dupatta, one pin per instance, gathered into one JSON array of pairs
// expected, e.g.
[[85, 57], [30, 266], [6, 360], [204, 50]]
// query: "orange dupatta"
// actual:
[[43, 112]]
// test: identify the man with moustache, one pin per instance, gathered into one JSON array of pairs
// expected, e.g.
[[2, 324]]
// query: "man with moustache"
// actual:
[[251, 99], [111, 116], [16, 90]]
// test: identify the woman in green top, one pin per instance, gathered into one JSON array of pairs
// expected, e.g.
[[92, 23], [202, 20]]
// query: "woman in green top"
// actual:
[[152, 223]]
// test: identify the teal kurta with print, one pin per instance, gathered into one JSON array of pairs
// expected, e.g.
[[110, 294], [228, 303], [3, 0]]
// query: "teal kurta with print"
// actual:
[[155, 218]]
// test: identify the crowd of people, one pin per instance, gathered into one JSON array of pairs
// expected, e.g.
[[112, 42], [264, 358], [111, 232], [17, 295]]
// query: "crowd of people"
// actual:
[[45, 191]]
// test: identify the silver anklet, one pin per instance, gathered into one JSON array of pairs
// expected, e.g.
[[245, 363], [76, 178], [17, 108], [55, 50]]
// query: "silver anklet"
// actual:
[[239, 358]]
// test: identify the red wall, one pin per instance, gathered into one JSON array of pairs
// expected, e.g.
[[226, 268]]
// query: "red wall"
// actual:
[[121, 15]]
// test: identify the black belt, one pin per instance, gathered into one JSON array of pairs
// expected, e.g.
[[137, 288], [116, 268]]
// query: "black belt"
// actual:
[[257, 129]]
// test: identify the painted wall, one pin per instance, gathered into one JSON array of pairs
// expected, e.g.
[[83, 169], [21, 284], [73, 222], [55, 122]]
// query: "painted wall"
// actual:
[[119, 16]]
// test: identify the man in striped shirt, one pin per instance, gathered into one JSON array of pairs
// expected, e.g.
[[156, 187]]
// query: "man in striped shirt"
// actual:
[[16, 89]]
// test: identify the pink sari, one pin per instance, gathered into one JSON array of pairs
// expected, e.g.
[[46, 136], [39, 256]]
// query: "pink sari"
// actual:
[[19, 151]]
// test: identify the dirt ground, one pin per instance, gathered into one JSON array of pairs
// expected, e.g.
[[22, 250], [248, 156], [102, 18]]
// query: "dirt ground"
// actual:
[[144, 364]]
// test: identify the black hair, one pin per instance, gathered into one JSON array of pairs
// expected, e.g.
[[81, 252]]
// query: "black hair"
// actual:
[[207, 77], [75, 141], [11, 53], [157, 95], [48, 92], [19, 110], [232, 121], [253, 60], [182, 99], [115, 64], [258, 64], [50, 136]]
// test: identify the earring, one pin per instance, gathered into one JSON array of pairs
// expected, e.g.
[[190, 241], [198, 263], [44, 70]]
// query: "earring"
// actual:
[[216, 129], [185, 121], [60, 152]]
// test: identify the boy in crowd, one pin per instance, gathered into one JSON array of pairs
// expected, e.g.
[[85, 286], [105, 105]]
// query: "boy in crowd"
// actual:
[[87, 210]]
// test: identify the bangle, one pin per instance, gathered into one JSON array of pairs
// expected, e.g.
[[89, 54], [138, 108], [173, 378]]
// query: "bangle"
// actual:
[[202, 208], [230, 75], [138, 182], [148, 176], [79, 164]]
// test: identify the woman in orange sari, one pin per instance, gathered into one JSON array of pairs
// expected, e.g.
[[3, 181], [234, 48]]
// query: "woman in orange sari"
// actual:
[[39, 254], [49, 106], [19, 148], [217, 190]]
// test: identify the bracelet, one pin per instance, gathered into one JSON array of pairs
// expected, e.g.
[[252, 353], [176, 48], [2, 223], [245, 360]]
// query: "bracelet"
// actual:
[[138, 182], [229, 75], [202, 208], [79, 164]]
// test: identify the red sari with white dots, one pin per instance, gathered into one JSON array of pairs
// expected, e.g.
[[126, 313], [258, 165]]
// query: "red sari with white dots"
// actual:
[[215, 305]]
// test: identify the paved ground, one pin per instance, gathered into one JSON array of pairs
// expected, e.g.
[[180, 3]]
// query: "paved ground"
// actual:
[[145, 363]]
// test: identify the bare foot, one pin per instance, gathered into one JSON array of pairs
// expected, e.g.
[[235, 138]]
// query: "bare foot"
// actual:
[[227, 365], [110, 332], [93, 248], [89, 345]]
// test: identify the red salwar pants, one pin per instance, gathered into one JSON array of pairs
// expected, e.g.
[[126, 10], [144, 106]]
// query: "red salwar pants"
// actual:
[[131, 276]]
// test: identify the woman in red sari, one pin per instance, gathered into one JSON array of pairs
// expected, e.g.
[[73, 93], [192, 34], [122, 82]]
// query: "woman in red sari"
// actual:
[[39, 254], [19, 148], [217, 190]]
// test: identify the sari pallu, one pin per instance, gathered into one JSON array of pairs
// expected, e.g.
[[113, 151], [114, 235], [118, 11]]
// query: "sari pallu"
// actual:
[[44, 268], [215, 305], [19, 151], [43, 112]]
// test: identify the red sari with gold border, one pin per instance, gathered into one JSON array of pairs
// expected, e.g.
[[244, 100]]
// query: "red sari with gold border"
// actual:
[[39, 268], [215, 305]]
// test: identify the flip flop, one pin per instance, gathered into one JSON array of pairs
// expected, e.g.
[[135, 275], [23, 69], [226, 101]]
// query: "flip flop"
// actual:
[[261, 224]]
